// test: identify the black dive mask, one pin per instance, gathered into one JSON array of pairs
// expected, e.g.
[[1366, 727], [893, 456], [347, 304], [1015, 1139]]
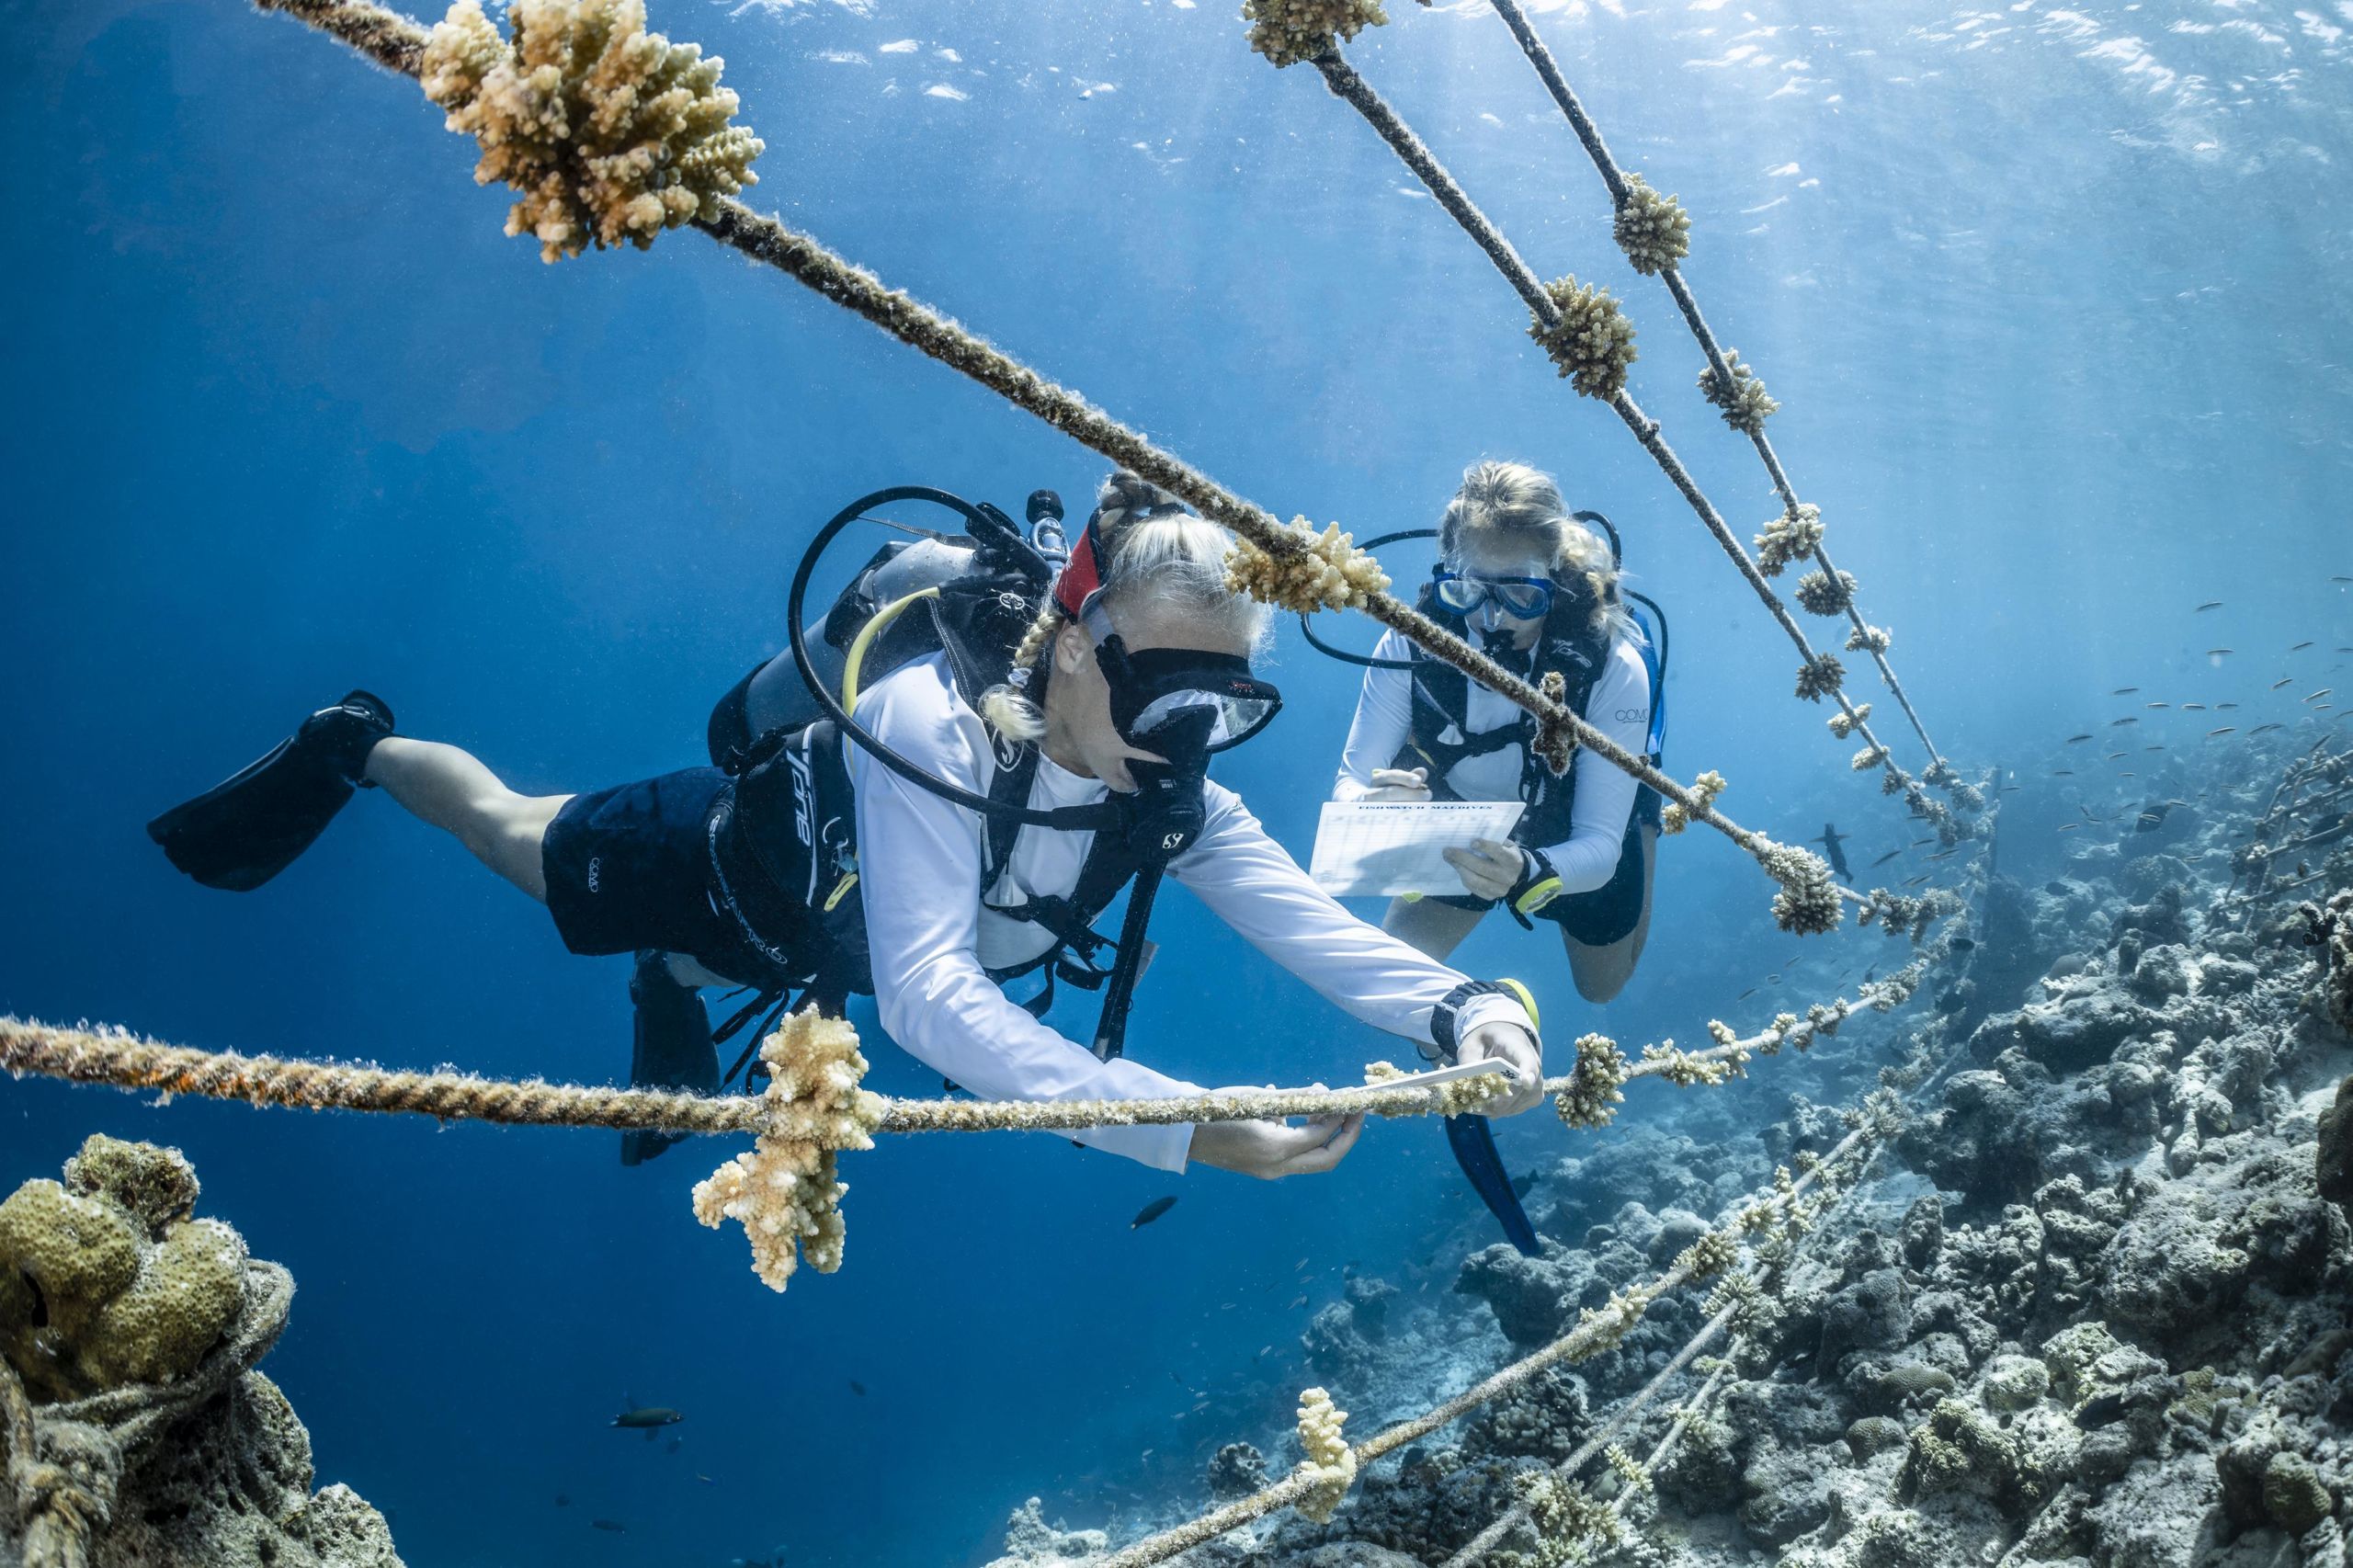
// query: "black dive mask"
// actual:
[[1154, 689], [1166, 812]]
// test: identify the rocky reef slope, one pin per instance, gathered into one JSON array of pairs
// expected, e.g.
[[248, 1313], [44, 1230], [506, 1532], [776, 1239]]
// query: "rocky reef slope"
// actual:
[[2092, 1306], [136, 1432]]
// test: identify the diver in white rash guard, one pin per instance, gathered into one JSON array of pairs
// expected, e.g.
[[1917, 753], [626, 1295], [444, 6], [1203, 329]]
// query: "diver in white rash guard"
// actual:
[[1520, 575], [830, 857]]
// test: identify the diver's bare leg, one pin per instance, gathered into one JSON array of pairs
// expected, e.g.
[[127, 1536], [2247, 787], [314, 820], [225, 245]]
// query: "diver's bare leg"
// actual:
[[1433, 928], [1602, 972], [451, 788]]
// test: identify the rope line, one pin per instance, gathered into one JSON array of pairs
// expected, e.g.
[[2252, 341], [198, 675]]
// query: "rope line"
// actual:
[[1351, 88], [1719, 361]]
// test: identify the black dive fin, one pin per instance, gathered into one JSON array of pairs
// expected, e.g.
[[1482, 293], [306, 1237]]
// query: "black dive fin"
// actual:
[[246, 829], [673, 1048], [1475, 1150]]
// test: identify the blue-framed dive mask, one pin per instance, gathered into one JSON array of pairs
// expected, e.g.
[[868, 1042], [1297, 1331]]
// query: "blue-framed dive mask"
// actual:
[[1523, 598]]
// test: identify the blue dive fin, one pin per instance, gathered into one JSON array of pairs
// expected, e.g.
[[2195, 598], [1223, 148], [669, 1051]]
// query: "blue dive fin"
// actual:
[[1475, 1150]]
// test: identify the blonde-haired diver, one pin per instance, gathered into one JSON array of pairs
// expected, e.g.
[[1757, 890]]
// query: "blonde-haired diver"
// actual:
[[1038, 741]]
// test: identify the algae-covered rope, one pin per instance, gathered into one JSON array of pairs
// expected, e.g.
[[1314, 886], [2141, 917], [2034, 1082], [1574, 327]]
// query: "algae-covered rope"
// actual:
[[1414, 154], [1719, 362]]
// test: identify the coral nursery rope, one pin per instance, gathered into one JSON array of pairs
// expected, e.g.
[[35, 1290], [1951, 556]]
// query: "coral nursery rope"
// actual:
[[1414, 154], [397, 42], [1719, 363]]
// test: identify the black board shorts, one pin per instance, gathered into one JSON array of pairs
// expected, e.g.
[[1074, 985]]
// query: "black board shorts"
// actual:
[[629, 869], [1608, 913]]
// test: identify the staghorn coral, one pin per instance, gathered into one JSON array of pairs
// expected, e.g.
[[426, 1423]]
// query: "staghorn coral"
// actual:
[[1328, 1454], [1868, 758], [1684, 1070], [1287, 31], [1568, 1521], [1746, 405], [1819, 593], [1327, 572], [1792, 536], [1821, 675], [1843, 723], [1808, 902], [1653, 230], [784, 1192], [1589, 339], [611, 133], [1675, 816], [1596, 1084], [1711, 1255], [1868, 638]]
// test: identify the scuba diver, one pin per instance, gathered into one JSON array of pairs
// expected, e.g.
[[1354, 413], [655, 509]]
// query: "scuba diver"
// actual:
[[1539, 593], [1010, 747]]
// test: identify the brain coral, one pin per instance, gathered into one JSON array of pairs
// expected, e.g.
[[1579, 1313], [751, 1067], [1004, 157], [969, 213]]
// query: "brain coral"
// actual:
[[104, 1278]]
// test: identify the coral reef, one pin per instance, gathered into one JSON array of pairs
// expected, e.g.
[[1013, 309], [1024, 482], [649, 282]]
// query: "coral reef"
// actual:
[[1820, 676], [1792, 536], [1655, 233], [136, 1432], [1590, 339], [1676, 816], [1843, 723], [1596, 1087], [1287, 31], [1327, 1455], [1819, 593], [611, 133], [1327, 572], [2089, 1306], [783, 1191]]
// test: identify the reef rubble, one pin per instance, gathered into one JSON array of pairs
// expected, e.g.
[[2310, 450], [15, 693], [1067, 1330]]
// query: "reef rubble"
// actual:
[[135, 1431], [2092, 1307]]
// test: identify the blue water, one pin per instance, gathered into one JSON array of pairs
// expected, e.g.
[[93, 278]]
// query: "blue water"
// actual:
[[2053, 301]]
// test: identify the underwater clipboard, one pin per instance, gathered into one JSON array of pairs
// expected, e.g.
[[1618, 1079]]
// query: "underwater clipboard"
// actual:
[[1383, 848]]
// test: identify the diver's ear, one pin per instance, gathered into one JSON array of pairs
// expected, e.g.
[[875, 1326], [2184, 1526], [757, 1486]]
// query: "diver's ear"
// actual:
[[1072, 648]]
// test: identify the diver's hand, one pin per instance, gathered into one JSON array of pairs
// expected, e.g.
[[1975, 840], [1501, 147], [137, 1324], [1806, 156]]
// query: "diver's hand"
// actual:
[[1398, 784], [1489, 868], [1509, 1043], [1270, 1149]]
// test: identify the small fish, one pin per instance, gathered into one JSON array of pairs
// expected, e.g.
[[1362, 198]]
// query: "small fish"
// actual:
[[1944, 855], [1301, 1303], [1773, 979], [704, 1479], [2124, 691], [2128, 775], [613, 1525], [1885, 859], [857, 1388], [2056, 886], [2151, 817], [2299, 647], [2261, 729], [2156, 705], [2193, 707], [2062, 773], [1918, 841], [1950, 1002], [1964, 945], [2226, 707], [2225, 730], [2069, 826], [1870, 974], [2220, 653], [2158, 747], [2210, 604], [2119, 724], [2073, 739], [2316, 696], [1916, 881], [646, 1418], [2341, 579], [2283, 681], [1745, 994], [1151, 1211], [2111, 757], [1834, 846]]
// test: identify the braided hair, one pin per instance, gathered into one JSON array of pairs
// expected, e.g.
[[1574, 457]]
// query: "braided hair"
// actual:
[[1152, 545]]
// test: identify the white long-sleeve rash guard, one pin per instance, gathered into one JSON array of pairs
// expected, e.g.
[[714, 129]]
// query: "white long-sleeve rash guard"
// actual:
[[1619, 706], [932, 941]]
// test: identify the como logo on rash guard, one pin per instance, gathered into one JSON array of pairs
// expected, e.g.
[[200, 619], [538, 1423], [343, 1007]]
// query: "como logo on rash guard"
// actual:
[[1632, 715]]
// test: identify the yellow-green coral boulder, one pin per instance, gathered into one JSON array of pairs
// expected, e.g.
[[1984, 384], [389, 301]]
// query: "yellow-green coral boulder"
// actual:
[[103, 1280]]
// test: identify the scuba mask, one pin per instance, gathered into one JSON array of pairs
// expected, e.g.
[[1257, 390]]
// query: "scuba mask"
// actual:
[[1183, 704]]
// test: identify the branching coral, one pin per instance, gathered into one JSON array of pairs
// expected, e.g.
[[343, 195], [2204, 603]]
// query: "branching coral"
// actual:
[[1792, 536], [1651, 229], [1746, 406], [1868, 758], [1328, 1454], [1569, 1522], [1684, 1070], [1710, 1256], [1674, 817], [1327, 572], [784, 1192], [1590, 339], [1457, 1099], [1843, 723], [1808, 902], [1868, 639], [1287, 31], [1819, 593], [611, 133], [1596, 1084], [1820, 676]]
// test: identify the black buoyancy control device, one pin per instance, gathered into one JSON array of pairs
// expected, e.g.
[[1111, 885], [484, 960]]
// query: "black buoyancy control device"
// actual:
[[782, 737]]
